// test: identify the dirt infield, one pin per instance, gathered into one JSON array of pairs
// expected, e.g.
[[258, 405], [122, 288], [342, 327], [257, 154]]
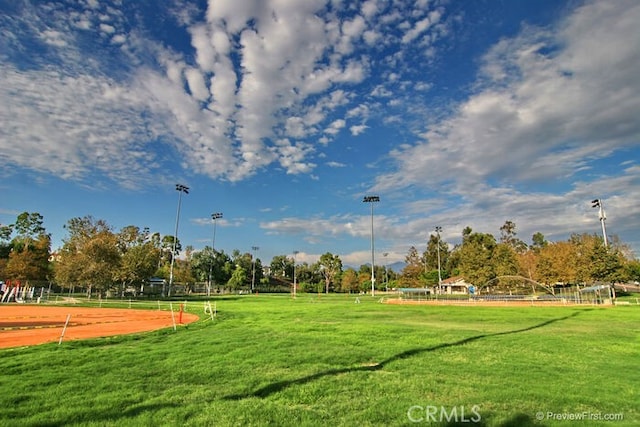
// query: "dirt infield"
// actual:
[[22, 325]]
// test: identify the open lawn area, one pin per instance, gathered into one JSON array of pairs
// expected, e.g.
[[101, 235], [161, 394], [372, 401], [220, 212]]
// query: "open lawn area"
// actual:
[[326, 360]]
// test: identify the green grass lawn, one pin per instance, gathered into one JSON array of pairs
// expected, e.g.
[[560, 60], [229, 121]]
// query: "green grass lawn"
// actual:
[[270, 360]]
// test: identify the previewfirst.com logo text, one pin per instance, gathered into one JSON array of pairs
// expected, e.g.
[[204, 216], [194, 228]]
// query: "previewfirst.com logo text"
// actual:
[[439, 414]]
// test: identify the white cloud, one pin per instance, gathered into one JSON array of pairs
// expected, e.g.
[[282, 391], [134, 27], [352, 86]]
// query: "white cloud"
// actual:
[[119, 39], [292, 157], [370, 8], [54, 38], [371, 37], [358, 129], [335, 127], [107, 29], [71, 125], [334, 164]]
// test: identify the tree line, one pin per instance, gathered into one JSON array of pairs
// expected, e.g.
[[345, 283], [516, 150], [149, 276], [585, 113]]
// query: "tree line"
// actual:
[[480, 259], [97, 259]]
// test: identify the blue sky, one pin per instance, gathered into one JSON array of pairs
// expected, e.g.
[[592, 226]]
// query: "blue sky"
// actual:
[[283, 115]]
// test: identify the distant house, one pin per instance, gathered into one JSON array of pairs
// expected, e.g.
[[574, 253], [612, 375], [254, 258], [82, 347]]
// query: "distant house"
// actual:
[[455, 286]]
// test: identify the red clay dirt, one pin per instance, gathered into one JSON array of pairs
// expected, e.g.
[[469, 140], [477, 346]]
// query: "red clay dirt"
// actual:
[[23, 325]]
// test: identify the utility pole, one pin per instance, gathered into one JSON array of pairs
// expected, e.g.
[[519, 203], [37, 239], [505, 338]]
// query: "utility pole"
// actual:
[[438, 230], [372, 200], [597, 203], [294, 273], [214, 217], [181, 189], [253, 278]]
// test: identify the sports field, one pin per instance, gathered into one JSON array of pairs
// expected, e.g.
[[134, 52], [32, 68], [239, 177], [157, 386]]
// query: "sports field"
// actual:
[[270, 360]]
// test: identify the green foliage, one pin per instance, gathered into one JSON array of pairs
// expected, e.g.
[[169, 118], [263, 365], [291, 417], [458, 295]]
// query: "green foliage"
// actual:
[[538, 241], [349, 281], [430, 278], [436, 248], [633, 270], [508, 237], [411, 276], [282, 266], [476, 258], [238, 279], [330, 266], [216, 264], [139, 256], [29, 261], [25, 257]]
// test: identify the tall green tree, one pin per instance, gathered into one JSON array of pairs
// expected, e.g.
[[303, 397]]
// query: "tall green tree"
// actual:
[[436, 248], [411, 275], [31, 262], [330, 266], [506, 264], [250, 265], [27, 254], [212, 263], [508, 237], [90, 256], [349, 281], [538, 241], [239, 278], [282, 266], [632, 268], [139, 257], [476, 258], [557, 263]]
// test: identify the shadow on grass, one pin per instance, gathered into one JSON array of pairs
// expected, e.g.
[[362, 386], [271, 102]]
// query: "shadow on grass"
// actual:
[[108, 417], [281, 385], [517, 420]]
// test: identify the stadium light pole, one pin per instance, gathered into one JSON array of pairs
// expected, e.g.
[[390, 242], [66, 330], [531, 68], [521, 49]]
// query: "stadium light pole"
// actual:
[[438, 230], [253, 277], [386, 276], [294, 273], [181, 189], [597, 203], [371, 200], [214, 216]]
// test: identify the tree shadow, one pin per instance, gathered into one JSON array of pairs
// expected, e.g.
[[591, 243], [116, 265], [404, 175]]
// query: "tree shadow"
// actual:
[[517, 420], [281, 385], [107, 417]]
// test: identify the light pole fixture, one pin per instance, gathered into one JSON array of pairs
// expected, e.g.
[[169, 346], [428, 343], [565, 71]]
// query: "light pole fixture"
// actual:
[[438, 230], [597, 203], [180, 189], [214, 216], [294, 272], [253, 276], [372, 200]]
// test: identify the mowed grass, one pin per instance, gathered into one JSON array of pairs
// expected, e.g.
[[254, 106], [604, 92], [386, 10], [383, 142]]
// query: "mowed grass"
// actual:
[[271, 360]]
